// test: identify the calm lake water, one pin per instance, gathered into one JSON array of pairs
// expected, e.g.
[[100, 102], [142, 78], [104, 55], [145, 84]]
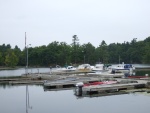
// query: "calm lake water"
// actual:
[[21, 71], [13, 100]]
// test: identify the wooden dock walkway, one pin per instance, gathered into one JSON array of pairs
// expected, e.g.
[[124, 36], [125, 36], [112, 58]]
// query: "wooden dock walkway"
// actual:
[[111, 88], [64, 83], [34, 82], [122, 85]]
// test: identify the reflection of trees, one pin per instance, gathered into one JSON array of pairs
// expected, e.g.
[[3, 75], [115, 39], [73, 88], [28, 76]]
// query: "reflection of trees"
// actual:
[[5, 85]]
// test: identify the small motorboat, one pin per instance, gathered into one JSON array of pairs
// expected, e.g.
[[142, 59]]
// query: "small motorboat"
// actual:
[[98, 67], [123, 68], [84, 68], [65, 69]]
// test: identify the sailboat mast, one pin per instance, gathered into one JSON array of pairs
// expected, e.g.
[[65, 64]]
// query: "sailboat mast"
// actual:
[[25, 40], [25, 54]]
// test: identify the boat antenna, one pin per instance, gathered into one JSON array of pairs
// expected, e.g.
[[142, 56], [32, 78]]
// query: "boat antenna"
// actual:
[[25, 40]]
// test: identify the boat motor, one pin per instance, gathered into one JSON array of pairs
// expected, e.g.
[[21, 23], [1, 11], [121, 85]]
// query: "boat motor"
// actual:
[[78, 90]]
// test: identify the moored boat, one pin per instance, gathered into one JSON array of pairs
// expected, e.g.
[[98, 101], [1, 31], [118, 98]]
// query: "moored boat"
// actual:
[[122, 68], [84, 68], [64, 69], [98, 67]]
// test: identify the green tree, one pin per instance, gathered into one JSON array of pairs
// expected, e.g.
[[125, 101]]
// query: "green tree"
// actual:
[[102, 51], [17, 52], [75, 44], [3, 49], [1, 58], [88, 53], [113, 53], [146, 56], [11, 59]]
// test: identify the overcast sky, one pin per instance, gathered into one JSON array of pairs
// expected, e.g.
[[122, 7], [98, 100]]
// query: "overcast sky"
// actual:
[[92, 21]]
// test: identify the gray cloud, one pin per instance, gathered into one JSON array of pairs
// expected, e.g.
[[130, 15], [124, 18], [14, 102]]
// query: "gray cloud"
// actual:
[[58, 20]]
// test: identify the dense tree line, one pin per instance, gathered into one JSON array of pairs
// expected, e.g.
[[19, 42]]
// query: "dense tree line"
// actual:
[[61, 53]]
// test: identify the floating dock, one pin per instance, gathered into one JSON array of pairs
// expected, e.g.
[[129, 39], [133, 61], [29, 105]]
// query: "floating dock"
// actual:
[[106, 89], [67, 82], [34, 82], [111, 88]]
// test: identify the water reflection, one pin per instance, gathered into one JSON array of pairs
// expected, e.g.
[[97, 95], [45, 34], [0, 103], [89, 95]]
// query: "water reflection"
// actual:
[[19, 99], [136, 93], [27, 100]]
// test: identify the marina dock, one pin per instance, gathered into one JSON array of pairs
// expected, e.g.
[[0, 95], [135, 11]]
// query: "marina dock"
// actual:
[[122, 86], [111, 88], [68, 81]]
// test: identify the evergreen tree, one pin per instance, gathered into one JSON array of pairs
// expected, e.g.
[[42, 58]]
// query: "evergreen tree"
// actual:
[[11, 60]]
